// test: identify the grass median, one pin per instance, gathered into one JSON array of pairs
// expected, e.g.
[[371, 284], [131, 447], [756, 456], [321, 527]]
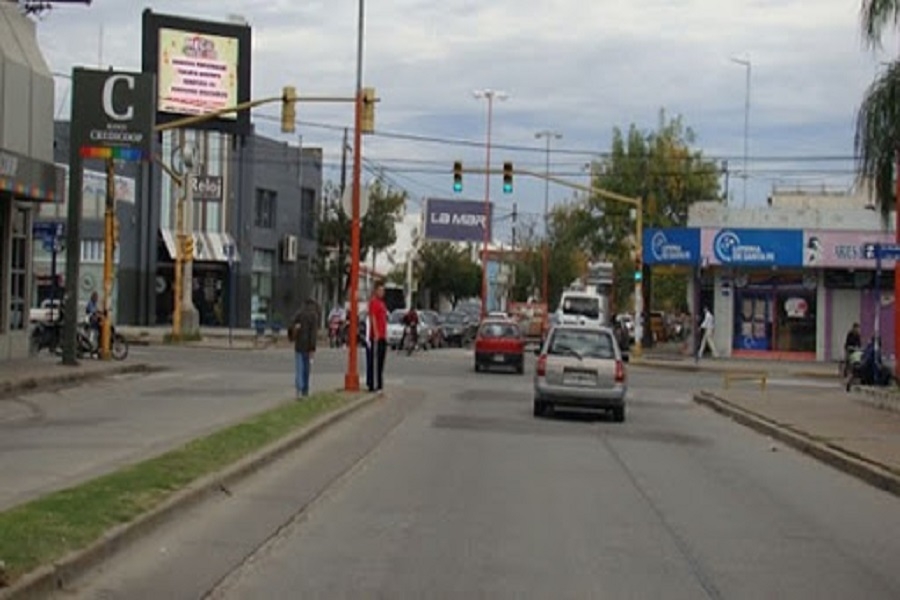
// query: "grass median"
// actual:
[[44, 530]]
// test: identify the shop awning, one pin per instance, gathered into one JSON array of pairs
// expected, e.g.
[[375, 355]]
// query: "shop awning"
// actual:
[[30, 179], [208, 246]]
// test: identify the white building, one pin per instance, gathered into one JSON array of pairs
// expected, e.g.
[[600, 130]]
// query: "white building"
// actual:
[[785, 281]]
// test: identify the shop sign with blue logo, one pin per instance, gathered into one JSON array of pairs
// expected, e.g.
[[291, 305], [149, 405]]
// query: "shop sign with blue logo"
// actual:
[[759, 247], [677, 246]]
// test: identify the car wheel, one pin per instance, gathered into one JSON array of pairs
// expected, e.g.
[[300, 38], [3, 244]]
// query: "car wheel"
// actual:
[[619, 414], [538, 408], [520, 368], [477, 367]]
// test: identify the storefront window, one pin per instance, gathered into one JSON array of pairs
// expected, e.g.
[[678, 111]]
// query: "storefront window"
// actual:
[[775, 314], [261, 292], [18, 270]]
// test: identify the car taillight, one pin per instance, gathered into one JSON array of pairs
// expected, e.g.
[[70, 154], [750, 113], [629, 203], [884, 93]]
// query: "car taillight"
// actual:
[[620, 372], [542, 365]]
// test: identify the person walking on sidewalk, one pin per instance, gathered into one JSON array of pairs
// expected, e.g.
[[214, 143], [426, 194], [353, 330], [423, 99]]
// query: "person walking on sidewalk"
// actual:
[[708, 327], [376, 339], [303, 333]]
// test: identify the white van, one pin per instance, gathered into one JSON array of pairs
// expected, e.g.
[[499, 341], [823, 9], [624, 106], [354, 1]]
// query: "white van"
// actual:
[[581, 308]]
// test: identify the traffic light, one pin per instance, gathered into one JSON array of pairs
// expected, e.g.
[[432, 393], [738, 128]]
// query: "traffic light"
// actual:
[[188, 248], [367, 119], [638, 267], [507, 178], [288, 109], [457, 176]]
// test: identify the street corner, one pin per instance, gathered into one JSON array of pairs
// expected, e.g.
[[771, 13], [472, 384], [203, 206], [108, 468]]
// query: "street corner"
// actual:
[[831, 451]]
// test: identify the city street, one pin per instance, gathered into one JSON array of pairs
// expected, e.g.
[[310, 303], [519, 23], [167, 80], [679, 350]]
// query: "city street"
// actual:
[[449, 487]]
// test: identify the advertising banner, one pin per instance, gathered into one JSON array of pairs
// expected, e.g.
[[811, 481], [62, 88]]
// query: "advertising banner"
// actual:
[[843, 249], [197, 72], [679, 246], [753, 247], [456, 220]]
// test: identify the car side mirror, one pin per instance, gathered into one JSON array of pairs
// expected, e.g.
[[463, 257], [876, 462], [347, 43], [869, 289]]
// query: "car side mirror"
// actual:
[[537, 351], [624, 357]]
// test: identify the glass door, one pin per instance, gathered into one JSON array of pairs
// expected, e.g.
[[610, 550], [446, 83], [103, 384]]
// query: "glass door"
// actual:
[[753, 322]]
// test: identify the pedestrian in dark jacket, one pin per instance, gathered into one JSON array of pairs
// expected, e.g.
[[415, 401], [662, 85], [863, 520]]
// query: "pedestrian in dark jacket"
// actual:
[[304, 332]]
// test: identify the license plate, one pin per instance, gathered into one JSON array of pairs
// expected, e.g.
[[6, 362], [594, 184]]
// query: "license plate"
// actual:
[[579, 380], [498, 358]]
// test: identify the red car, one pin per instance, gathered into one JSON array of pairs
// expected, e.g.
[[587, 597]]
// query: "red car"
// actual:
[[499, 343]]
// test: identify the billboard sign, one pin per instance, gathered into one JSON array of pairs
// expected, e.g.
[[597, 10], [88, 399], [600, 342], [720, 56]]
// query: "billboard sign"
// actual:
[[676, 246], [201, 67], [843, 249], [457, 220], [753, 247], [207, 187], [113, 114]]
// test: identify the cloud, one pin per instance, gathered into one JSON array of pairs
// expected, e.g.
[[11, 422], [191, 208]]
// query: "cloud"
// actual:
[[577, 67]]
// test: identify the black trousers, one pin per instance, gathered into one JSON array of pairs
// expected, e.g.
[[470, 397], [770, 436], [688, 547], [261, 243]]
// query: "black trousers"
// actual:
[[375, 354]]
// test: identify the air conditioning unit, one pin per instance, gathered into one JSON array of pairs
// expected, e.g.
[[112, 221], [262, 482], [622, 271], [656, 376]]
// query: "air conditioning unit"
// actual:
[[289, 249]]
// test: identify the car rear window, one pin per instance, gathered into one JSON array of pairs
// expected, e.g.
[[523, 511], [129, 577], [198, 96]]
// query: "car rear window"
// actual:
[[586, 344], [499, 330]]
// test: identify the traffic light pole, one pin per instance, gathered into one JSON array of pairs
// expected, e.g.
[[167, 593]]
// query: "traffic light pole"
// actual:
[[109, 248], [638, 205]]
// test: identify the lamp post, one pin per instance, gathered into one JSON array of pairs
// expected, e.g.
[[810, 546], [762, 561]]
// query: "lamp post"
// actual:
[[545, 259], [490, 95], [351, 378], [747, 65]]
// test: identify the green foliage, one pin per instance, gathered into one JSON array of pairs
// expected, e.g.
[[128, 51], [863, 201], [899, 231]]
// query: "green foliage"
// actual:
[[377, 232], [445, 269], [663, 169], [877, 138], [42, 531], [397, 275]]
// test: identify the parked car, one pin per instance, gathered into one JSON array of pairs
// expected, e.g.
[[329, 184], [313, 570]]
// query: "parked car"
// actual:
[[580, 367], [458, 329], [500, 343], [42, 313], [395, 328]]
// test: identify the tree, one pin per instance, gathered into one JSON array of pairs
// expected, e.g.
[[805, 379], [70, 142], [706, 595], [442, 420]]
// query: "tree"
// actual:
[[877, 139], [445, 269], [662, 168], [377, 232]]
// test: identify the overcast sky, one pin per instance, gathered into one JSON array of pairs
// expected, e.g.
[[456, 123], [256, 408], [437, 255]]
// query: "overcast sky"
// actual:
[[579, 68]]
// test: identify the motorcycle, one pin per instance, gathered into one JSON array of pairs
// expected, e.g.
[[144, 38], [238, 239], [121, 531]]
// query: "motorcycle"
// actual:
[[867, 368], [89, 341], [46, 335], [336, 332]]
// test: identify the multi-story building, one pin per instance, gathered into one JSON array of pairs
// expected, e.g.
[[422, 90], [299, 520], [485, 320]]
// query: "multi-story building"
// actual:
[[267, 211]]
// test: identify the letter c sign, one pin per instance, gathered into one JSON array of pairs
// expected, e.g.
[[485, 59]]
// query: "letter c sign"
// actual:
[[109, 105]]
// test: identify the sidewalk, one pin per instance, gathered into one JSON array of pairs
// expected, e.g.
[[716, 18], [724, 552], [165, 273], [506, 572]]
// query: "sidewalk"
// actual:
[[46, 372], [725, 365], [843, 429]]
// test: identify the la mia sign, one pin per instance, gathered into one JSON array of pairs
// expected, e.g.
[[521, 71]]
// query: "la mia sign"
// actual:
[[464, 219]]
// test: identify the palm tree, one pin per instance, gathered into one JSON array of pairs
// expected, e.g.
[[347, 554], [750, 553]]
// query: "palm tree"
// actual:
[[877, 140]]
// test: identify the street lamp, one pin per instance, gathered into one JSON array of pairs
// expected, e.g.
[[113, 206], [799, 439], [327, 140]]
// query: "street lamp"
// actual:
[[745, 63], [545, 286], [490, 95], [351, 377]]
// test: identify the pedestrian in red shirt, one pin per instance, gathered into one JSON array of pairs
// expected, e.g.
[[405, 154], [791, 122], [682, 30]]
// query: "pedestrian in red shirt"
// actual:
[[376, 339]]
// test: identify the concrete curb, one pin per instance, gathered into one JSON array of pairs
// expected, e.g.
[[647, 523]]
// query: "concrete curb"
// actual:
[[48, 579], [859, 466], [880, 398], [49, 382]]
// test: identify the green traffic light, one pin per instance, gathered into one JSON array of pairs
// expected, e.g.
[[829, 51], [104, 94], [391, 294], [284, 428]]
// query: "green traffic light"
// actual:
[[638, 275], [507, 188], [457, 186]]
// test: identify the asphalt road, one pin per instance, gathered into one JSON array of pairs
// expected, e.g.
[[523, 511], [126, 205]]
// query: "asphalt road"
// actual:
[[450, 488]]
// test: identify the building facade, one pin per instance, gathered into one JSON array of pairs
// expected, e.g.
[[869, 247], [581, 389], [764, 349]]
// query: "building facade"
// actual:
[[28, 176], [786, 281], [125, 261], [268, 212]]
